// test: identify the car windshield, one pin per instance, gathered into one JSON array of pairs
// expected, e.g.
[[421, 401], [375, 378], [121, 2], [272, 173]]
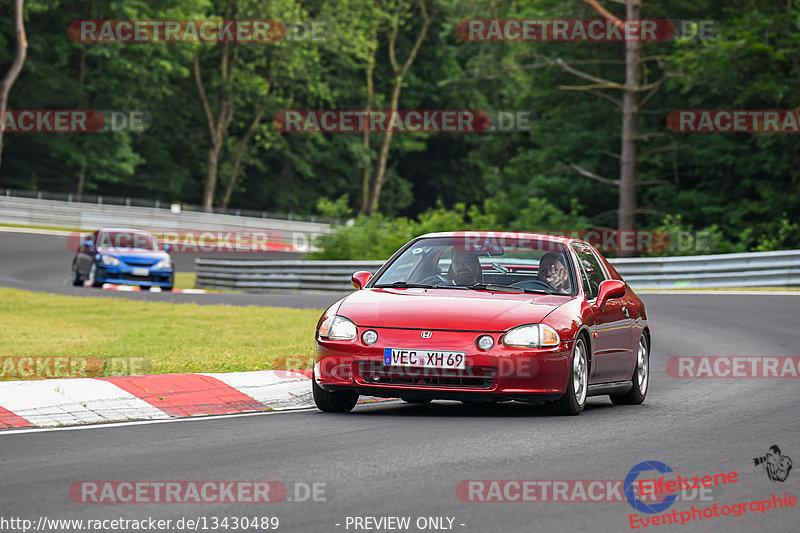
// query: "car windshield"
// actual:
[[499, 263], [127, 240]]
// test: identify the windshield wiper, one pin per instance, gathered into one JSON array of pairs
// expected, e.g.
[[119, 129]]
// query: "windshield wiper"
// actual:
[[542, 291], [404, 285], [484, 287]]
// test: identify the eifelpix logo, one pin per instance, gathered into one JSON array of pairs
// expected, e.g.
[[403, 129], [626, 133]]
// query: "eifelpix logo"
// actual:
[[777, 466]]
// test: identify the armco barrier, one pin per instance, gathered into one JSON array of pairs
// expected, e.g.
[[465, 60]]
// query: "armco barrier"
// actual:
[[756, 269], [35, 212], [255, 276], [760, 269]]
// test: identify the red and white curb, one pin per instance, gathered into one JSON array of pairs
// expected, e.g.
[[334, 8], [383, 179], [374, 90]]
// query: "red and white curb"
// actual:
[[61, 402], [136, 288]]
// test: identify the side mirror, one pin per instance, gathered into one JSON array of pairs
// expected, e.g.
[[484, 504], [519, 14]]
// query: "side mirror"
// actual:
[[610, 289], [168, 248], [360, 279]]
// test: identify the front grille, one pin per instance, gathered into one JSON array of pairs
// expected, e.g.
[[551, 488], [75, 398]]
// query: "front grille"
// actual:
[[472, 377], [140, 262], [131, 277]]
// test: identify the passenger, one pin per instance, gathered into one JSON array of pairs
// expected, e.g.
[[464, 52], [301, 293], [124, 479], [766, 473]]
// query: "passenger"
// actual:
[[553, 271]]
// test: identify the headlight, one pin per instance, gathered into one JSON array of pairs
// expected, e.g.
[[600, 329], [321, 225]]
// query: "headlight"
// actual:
[[531, 336], [337, 328], [109, 260], [164, 263]]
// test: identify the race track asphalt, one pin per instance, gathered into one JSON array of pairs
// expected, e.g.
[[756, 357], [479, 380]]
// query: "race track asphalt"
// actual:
[[393, 459]]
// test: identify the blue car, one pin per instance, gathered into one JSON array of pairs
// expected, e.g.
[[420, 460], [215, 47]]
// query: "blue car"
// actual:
[[123, 257]]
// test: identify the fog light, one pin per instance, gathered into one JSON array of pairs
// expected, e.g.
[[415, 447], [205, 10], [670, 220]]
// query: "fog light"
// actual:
[[375, 378], [485, 342], [369, 337]]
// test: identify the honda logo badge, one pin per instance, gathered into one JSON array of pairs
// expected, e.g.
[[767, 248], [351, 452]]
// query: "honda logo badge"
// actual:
[[425, 334]]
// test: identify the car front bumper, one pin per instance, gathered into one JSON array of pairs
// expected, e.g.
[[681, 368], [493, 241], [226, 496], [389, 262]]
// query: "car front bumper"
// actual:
[[124, 275], [502, 372]]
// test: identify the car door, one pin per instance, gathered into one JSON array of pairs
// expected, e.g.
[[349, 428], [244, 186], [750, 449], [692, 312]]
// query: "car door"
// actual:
[[611, 329]]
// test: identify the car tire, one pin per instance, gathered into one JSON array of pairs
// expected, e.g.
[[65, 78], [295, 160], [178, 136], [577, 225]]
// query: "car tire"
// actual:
[[77, 281], [93, 276], [333, 402], [574, 400], [640, 379], [419, 401]]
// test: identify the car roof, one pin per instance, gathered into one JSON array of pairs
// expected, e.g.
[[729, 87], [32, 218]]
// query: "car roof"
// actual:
[[501, 234]]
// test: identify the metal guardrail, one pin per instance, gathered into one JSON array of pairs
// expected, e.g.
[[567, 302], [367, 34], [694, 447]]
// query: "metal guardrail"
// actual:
[[763, 269], [35, 212], [754, 269], [259, 276], [100, 199]]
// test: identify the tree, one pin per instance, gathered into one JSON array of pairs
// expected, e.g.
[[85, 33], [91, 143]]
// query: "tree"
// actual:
[[245, 77], [373, 181], [16, 65]]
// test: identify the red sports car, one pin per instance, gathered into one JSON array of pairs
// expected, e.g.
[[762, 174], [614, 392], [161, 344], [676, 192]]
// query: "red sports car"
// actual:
[[486, 317]]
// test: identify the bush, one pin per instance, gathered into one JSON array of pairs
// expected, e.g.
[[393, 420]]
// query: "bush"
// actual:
[[378, 236]]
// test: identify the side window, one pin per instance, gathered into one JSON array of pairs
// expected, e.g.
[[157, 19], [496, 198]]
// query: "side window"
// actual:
[[591, 272]]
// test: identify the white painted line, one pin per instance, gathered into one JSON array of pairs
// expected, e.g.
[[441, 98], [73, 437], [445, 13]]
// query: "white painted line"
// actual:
[[73, 401], [142, 422], [165, 421]]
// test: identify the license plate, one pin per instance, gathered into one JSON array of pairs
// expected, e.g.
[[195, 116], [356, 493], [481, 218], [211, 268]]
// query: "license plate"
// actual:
[[424, 358], [141, 271]]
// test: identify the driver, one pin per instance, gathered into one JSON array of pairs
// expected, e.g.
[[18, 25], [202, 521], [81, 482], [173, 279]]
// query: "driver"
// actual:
[[465, 268], [553, 271]]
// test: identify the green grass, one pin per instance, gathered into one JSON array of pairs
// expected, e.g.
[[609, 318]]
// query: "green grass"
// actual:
[[184, 280], [171, 337], [53, 228]]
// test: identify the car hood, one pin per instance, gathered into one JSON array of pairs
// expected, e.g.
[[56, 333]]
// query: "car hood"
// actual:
[[447, 309]]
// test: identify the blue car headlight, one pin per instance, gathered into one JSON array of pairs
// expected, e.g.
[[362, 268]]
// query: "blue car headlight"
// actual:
[[110, 260], [164, 264]]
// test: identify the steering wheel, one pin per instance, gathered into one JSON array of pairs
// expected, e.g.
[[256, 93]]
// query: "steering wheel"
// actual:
[[528, 282], [435, 279]]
